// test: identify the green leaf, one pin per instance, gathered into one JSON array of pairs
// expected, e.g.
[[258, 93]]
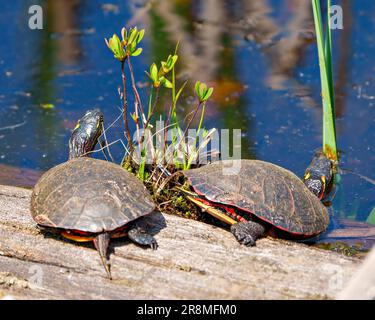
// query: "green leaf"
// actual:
[[164, 67], [202, 90], [371, 217], [115, 45], [181, 89], [197, 86], [124, 34], [154, 72], [137, 52], [166, 83], [132, 34], [115, 40], [208, 94], [173, 60], [326, 77], [140, 35], [130, 47], [167, 66]]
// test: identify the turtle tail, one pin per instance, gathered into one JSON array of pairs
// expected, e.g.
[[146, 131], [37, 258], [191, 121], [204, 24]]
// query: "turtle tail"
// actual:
[[101, 243]]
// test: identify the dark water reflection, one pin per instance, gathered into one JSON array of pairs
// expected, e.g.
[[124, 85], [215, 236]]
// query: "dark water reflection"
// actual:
[[260, 56]]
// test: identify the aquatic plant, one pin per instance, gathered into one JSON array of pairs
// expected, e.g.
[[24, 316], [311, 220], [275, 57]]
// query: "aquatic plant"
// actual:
[[371, 217], [142, 157], [324, 43]]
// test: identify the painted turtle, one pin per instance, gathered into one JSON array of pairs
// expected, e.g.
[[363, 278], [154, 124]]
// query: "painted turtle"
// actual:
[[86, 199], [257, 198]]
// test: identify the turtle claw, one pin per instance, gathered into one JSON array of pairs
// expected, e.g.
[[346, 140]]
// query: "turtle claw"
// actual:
[[141, 237], [243, 238], [248, 241], [246, 233], [154, 245]]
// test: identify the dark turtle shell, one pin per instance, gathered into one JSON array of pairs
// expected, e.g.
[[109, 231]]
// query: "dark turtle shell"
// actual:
[[89, 195], [268, 191]]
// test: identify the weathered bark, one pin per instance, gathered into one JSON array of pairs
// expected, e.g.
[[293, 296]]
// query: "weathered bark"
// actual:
[[194, 261], [362, 285]]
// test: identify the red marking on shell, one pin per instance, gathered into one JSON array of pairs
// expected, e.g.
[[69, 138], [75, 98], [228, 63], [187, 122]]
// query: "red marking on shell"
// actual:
[[296, 234], [227, 209]]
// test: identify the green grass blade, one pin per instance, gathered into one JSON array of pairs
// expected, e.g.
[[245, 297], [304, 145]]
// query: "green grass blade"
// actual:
[[371, 217], [325, 66], [328, 56], [150, 102]]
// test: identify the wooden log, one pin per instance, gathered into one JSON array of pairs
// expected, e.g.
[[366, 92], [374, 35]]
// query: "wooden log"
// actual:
[[194, 261], [362, 285]]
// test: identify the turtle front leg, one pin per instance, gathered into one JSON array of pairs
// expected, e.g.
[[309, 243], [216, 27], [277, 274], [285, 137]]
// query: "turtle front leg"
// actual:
[[247, 232], [139, 236]]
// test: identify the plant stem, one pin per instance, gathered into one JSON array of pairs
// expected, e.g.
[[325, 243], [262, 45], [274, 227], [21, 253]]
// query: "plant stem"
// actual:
[[156, 100], [125, 106], [173, 112], [192, 118], [150, 98], [138, 103], [188, 127], [201, 120], [174, 99], [136, 94], [166, 131], [151, 113]]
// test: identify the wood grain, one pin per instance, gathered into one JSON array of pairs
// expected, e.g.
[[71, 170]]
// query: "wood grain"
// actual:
[[194, 261]]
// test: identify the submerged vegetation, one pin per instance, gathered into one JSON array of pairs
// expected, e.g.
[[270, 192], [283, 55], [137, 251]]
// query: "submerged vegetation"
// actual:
[[324, 43], [355, 250]]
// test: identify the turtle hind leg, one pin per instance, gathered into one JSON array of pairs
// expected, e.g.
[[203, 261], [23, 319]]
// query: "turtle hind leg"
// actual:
[[101, 243], [247, 232], [141, 237]]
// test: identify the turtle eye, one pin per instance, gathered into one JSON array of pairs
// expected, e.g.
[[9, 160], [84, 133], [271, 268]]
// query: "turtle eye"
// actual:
[[307, 175]]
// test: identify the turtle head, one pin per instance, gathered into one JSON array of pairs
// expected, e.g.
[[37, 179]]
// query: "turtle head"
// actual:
[[316, 185], [86, 134], [318, 175]]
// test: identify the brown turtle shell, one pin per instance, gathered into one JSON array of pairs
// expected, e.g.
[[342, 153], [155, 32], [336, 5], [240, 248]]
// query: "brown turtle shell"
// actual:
[[268, 191], [89, 195]]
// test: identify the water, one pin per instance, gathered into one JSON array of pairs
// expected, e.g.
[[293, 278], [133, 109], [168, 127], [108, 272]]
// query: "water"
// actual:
[[260, 56]]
